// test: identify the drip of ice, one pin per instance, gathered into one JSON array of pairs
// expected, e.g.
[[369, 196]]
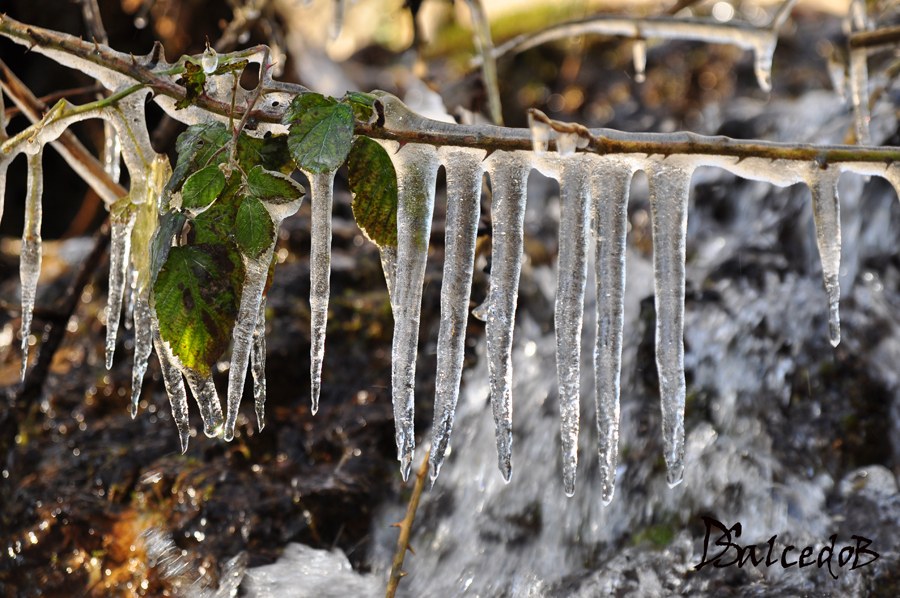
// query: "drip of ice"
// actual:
[[321, 196], [670, 185], [481, 311], [204, 391], [30, 260], [416, 166], [119, 254], [639, 53], [389, 267], [112, 152], [540, 135], [464, 175], [258, 366], [566, 143], [575, 193], [174, 384], [4, 166], [859, 94], [509, 179], [143, 344], [609, 214], [210, 60], [256, 272], [827, 213]]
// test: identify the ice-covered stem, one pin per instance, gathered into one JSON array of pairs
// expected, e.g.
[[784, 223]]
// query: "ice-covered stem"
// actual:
[[485, 45], [406, 531], [69, 147], [322, 197], [258, 366]]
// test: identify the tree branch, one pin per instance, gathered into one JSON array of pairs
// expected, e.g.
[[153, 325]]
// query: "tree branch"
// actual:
[[406, 530]]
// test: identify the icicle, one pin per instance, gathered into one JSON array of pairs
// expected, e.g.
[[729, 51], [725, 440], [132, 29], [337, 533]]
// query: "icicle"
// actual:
[[119, 253], [540, 135], [321, 196], [204, 391], [143, 337], [481, 311], [256, 272], [389, 267], [670, 184], [4, 166], [30, 260], [566, 143], [464, 174], [575, 194], [416, 167], [611, 183], [827, 213], [258, 366], [174, 388], [639, 51], [859, 94], [112, 152], [509, 181]]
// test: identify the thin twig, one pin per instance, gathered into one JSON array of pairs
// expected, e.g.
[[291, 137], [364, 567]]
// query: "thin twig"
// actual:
[[58, 95], [406, 530], [886, 36]]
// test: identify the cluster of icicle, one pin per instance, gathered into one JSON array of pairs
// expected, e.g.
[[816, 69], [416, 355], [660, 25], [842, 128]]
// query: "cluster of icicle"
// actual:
[[594, 192]]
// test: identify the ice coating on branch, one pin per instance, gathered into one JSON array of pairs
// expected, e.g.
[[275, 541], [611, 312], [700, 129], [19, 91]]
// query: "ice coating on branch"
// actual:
[[566, 143], [143, 344], [859, 94], [256, 272], [540, 135], [322, 197], [174, 387], [389, 267], [609, 214], [112, 152], [204, 391], [639, 53], [575, 193], [119, 258], [827, 214], [464, 175], [670, 185], [258, 366], [509, 179], [416, 166], [30, 260]]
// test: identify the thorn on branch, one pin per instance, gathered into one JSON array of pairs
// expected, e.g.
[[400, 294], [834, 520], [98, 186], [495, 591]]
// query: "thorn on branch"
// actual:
[[406, 530]]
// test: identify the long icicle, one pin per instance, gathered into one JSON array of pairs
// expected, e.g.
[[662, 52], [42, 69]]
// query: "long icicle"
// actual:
[[575, 192], [464, 175], [174, 384], [30, 261], [509, 185], [670, 184], [389, 267], [119, 257], [258, 366], [827, 214], [611, 186], [416, 167], [143, 344], [322, 197]]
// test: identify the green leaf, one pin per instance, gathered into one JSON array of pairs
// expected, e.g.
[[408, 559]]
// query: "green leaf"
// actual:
[[170, 224], [195, 147], [193, 80], [216, 225], [273, 187], [320, 132], [254, 229], [363, 104], [196, 297], [270, 153], [202, 187], [373, 183]]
